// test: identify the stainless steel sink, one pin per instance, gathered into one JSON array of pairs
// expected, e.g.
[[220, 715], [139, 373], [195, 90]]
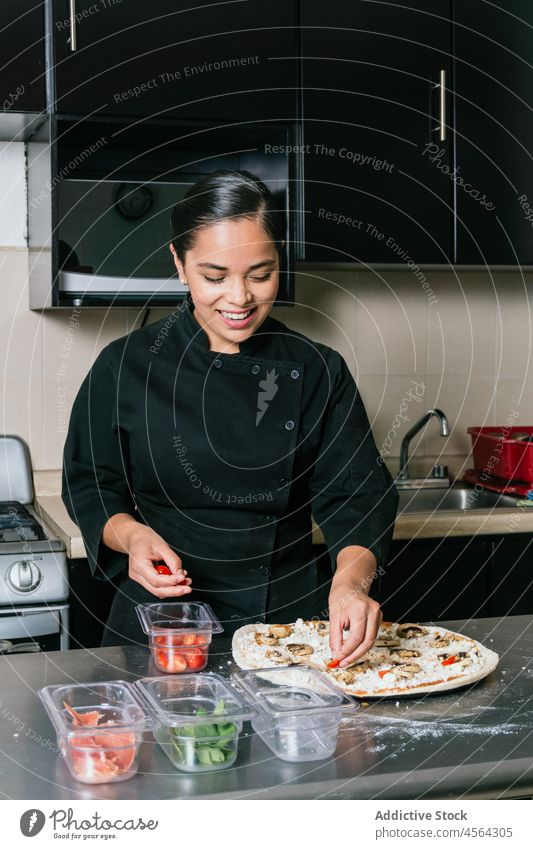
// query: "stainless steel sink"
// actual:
[[454, 498]]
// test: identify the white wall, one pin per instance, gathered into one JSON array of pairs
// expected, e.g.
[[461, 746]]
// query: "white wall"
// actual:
[[43, 357], [469, 352]]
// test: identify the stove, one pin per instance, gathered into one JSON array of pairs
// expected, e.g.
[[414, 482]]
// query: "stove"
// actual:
[[33, 565], [17, 524]]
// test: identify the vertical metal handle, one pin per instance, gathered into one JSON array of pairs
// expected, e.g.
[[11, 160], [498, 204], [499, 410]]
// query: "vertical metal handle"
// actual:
[[442, 122], [73, 33]]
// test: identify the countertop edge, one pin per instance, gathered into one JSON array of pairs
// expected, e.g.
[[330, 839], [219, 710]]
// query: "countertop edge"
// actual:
[[412, 526], [54, 515]]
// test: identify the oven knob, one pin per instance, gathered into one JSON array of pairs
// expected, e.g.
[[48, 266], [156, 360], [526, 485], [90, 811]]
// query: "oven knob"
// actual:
[[24, 576]]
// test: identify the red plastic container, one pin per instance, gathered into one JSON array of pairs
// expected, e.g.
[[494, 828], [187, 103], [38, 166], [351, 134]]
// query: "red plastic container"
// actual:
[[503, 452]]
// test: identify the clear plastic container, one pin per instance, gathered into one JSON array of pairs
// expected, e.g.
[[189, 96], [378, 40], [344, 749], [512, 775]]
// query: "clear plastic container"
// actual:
[[99, 728], [197, 719], [179, 634], [298, 711]]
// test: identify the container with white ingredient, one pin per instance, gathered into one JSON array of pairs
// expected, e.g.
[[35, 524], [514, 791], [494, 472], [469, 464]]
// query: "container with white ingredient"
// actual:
[[298, 711]]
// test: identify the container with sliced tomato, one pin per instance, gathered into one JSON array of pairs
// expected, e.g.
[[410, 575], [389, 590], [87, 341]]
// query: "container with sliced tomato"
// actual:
[[99, 728], [197, 719], [179, 634]]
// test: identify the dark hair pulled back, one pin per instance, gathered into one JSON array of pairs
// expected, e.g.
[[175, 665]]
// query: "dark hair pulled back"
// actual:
[[219, 196]]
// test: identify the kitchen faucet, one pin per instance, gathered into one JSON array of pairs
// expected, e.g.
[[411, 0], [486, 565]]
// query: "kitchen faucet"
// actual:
[[439, 473]]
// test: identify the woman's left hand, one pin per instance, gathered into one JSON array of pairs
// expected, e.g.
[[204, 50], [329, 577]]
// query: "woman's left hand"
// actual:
[[351, 609]]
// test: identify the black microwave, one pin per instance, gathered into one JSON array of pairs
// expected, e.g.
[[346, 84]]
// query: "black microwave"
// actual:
[[100, 194]]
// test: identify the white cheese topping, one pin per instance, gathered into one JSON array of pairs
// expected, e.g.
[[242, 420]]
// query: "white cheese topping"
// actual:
[[431, 668]]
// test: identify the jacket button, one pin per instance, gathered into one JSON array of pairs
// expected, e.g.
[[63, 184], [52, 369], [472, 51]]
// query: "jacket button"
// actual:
[[264, 570], [271, 518], [256, 369], [217, 363], [289, 425], [283, 481], [295, 374]]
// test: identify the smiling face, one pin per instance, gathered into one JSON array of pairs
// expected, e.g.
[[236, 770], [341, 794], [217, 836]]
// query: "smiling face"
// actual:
[[232, 272]]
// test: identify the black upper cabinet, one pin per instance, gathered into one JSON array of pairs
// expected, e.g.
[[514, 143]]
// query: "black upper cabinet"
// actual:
[[22, 54], [377, 131], [231, 59], [493, 46], [416, 140]]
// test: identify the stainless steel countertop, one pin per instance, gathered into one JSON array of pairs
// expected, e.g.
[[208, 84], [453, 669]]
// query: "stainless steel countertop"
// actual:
[[474, 743]]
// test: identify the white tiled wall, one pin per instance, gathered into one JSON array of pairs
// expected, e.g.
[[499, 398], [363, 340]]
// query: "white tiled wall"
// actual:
[[471, 349], [37, 364], [469, 352]]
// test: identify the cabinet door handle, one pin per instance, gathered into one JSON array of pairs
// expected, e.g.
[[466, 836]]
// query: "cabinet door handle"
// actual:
[[73, 33], [442, 120]]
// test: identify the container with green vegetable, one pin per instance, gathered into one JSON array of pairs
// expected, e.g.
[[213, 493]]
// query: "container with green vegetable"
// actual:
[[197, 719]]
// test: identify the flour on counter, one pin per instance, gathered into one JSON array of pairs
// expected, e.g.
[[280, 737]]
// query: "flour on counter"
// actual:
[[404, 731]]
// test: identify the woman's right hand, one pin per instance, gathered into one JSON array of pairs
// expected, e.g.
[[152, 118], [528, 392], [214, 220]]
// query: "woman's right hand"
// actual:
[[145, 549]]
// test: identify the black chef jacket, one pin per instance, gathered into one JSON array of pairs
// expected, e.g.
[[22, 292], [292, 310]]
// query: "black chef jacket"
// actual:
[[226, 456]]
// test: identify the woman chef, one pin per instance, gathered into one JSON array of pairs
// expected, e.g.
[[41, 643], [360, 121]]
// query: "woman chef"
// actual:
[[207, 440]]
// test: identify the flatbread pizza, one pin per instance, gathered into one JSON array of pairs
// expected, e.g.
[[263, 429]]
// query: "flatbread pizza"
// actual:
[[406, 659]]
